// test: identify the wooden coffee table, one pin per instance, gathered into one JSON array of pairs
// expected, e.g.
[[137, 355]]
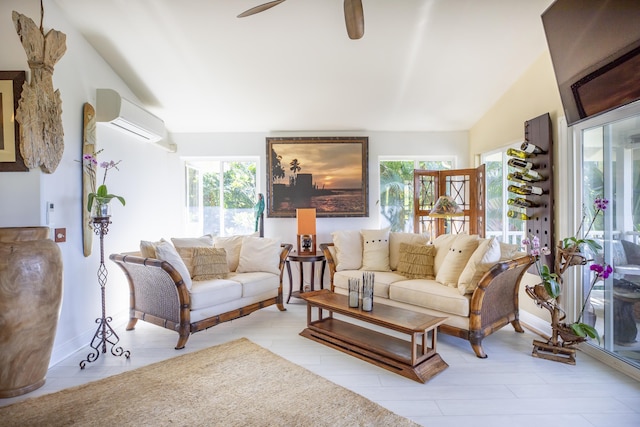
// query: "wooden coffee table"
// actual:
[[416, 359]]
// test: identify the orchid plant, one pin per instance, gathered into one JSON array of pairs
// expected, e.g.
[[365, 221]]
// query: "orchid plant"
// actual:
[[101, 195], [552, 280]]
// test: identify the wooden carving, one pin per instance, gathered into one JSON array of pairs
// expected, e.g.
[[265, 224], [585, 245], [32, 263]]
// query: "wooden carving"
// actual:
[[40, 109], [88, 179]]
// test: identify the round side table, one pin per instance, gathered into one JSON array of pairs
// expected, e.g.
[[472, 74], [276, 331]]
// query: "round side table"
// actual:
[[302, 258]]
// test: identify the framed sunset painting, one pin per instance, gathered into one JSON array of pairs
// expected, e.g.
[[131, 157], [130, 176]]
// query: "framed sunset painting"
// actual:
[[326, 173]]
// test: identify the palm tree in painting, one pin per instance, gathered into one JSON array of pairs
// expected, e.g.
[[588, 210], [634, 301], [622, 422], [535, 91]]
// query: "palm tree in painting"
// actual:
[[295, 168]]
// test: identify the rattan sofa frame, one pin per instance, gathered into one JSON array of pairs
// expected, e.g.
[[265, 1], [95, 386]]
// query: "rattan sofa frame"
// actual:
[[158, 295]]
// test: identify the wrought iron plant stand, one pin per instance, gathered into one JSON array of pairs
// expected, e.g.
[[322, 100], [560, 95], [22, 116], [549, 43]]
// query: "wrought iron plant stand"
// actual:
[[104, 334]]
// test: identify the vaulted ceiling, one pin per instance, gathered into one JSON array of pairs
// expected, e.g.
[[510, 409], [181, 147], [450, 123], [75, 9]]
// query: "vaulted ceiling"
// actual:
[[422, 65]]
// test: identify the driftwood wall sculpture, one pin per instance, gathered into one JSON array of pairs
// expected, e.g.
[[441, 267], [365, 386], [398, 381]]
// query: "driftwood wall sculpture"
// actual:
[[40, 109]]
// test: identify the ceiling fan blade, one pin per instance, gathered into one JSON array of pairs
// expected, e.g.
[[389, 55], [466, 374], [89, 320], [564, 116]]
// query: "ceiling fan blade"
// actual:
[[354, 18], [260, 8]]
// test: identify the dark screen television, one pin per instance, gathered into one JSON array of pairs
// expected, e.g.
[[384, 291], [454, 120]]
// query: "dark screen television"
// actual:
[[595, 51]]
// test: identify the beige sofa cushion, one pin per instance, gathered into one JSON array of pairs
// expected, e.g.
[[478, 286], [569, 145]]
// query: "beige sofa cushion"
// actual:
[[375, 250], [209, 263], [208, 293], [484, 257], [348, 244], [416, 261], [396, 238], [259, 254], [232, 245], [456, 259], [430, 294], [186, 245], [381, 284]]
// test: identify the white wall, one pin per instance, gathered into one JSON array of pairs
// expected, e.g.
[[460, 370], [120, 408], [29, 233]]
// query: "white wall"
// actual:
[[150, 179], [380, 144], [140, 180]]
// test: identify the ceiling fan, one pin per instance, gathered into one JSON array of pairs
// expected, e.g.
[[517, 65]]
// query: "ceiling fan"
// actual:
[[353, 15]]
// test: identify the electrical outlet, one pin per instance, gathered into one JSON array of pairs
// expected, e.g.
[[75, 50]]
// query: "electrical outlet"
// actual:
[[60, 235]]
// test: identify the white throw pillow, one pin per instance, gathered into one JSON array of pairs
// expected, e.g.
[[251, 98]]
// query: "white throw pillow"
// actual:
[[232, 245], [375, 252], [166, 252], [348, 244], [442, 243], [508, 251], [456, 259], [259, 254], [396, 238], [487, 254]]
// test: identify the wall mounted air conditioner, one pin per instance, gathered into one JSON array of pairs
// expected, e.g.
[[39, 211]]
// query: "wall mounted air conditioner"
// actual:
[[123, 115]]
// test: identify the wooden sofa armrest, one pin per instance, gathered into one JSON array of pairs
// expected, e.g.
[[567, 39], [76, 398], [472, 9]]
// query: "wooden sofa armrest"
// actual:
[[494, 303], [158, 293], [328, 256]]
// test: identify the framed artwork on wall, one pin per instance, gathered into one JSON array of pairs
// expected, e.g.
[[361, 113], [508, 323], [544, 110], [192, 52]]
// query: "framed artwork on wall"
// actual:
[[10, 90], [326, 173]]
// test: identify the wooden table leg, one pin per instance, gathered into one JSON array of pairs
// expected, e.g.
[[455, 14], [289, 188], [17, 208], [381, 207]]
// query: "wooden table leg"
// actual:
[[290, 280]]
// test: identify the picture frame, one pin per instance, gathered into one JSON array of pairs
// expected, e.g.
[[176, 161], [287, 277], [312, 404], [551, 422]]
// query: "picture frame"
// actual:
[[11, 83], [326, 173]]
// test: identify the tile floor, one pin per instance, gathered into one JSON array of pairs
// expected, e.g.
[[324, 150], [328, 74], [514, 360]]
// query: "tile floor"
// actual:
[[509, 388]]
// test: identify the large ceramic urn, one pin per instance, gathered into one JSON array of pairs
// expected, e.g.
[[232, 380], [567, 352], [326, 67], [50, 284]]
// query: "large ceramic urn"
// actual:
[[30, 297]]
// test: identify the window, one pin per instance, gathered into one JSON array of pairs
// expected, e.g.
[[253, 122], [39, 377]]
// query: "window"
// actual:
[[220, 196], [508, 230], [396, 189], [608, 166]]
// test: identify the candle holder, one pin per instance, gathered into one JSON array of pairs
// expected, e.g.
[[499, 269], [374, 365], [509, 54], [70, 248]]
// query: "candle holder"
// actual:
[[367, 291], [354, 292]]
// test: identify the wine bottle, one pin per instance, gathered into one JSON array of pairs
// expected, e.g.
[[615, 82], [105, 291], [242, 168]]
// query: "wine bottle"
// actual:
[[521, 164], [526, 190], [517, 153], [523, 203], [531, 149], [524, 178], [530, 175], [517, 215]]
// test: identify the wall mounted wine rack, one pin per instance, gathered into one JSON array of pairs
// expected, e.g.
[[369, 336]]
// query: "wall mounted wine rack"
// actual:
[[540, 221]]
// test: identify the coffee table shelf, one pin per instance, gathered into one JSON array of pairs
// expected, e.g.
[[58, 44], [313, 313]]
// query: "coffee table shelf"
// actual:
[[416, 359]]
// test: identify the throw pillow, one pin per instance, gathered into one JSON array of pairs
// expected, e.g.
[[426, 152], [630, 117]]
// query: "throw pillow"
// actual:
[[442, 244], [348, 246], [456, 259], [259, 254], [396, 238], [209, 263], [148, 249], [416, 261], [185, 246], [375, 250], [483, 258], [632, 252], [508, 251], [166, 252], [232, 245]]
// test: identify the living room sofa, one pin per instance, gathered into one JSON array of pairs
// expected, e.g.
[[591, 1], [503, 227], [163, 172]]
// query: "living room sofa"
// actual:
[[473, 282], [191, 284]]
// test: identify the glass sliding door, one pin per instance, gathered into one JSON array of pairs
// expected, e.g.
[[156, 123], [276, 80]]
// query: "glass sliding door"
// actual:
[[608, 147]]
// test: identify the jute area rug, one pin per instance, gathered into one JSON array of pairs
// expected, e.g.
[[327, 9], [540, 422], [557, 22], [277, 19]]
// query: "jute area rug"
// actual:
[[234, 384]]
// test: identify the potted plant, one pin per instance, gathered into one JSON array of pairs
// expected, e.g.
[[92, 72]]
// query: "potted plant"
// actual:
[[101, 195], [547, 293]]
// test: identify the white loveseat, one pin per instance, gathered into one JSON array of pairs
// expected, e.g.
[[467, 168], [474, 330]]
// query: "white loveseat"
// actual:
[[193, 284], [473, 282]]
